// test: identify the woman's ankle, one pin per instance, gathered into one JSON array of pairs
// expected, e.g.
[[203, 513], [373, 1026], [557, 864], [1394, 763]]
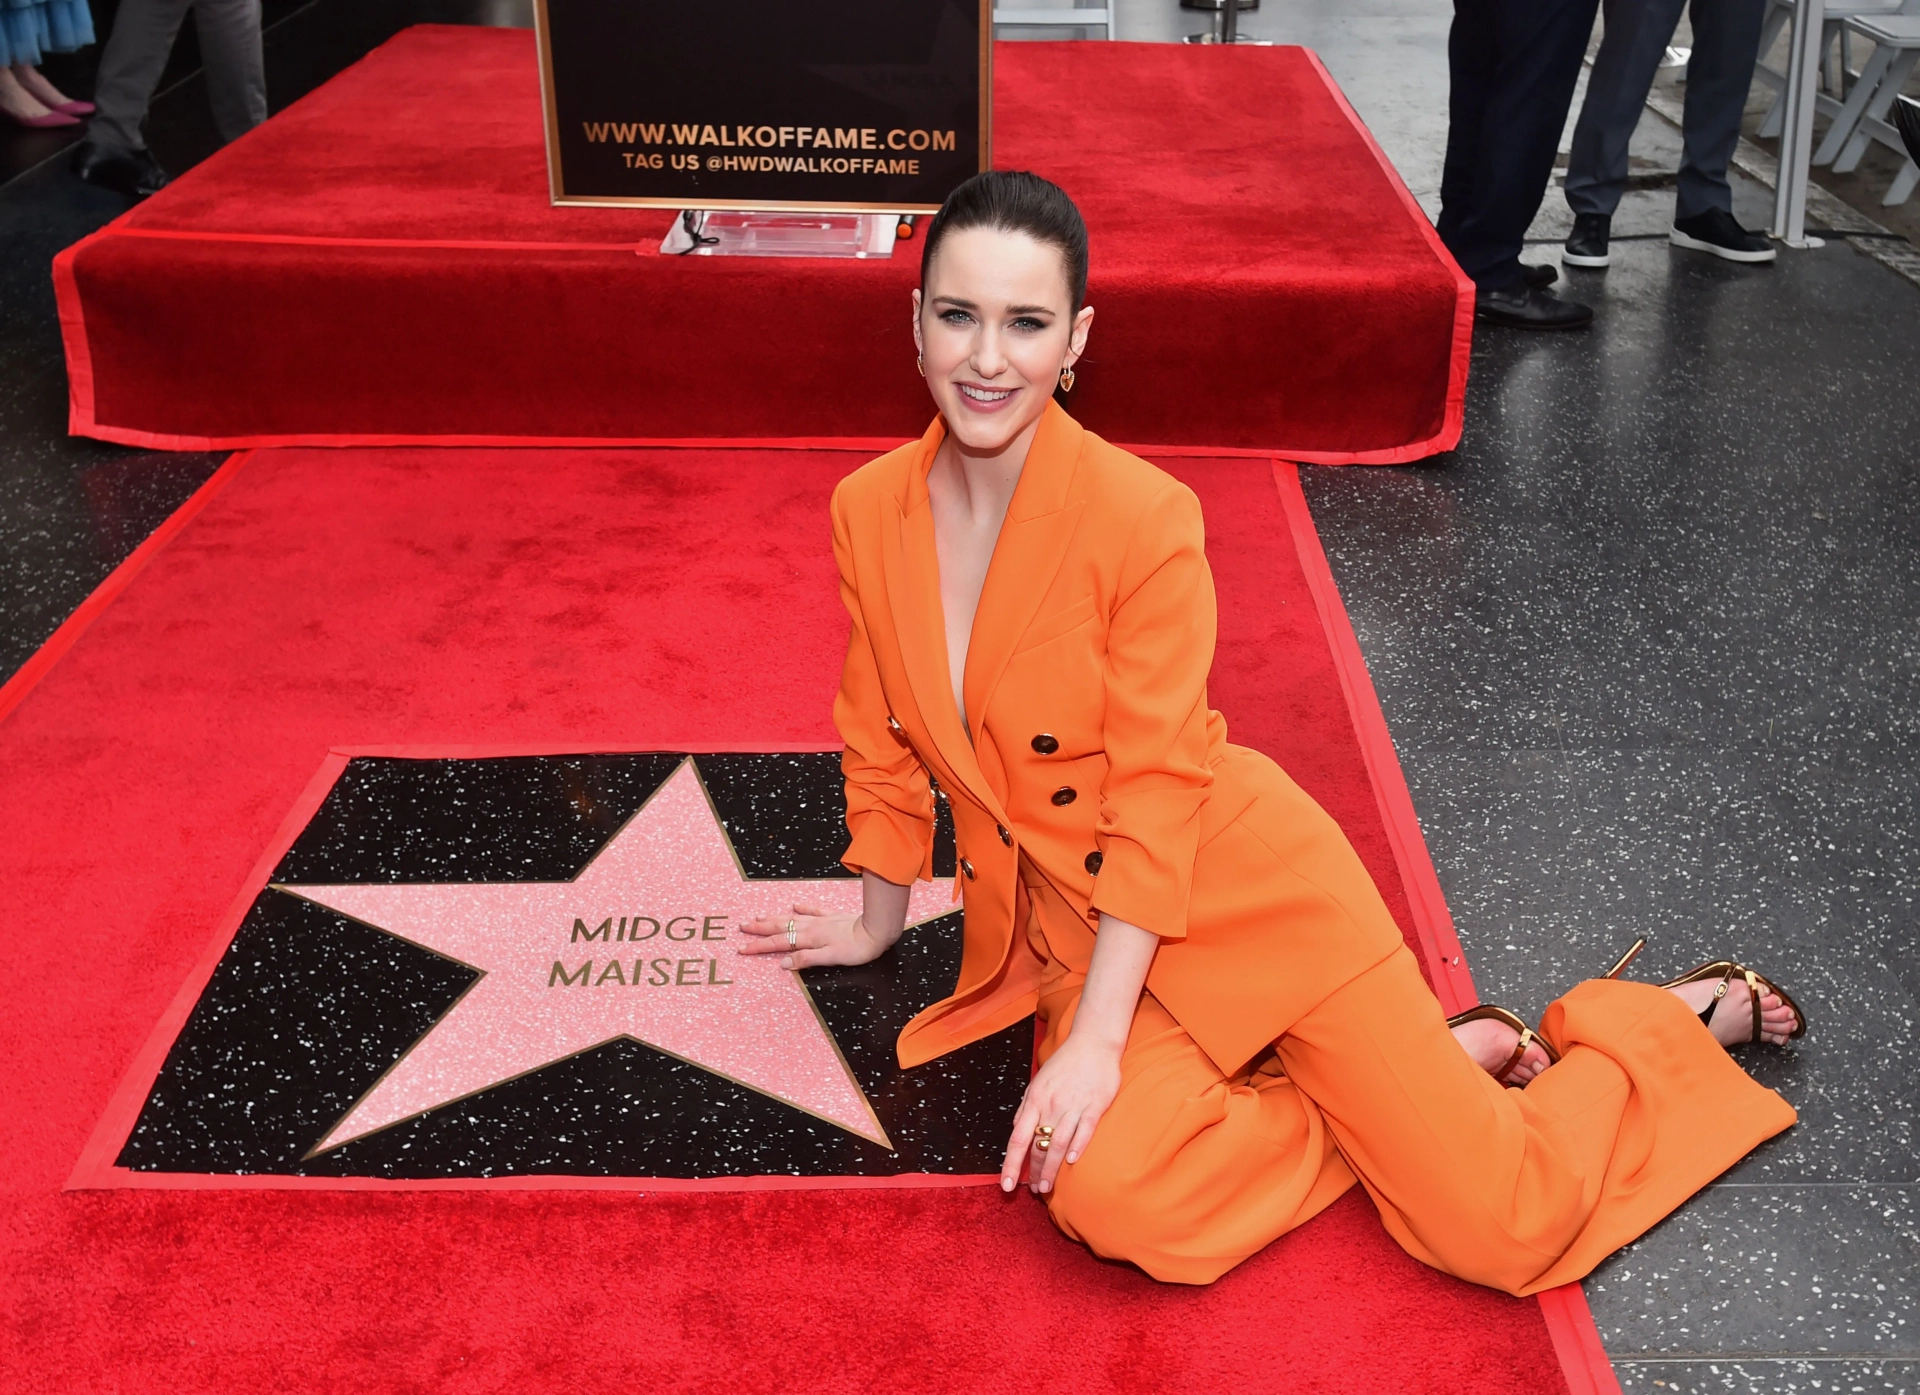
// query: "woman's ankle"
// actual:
[[16, 100], [34, 83]]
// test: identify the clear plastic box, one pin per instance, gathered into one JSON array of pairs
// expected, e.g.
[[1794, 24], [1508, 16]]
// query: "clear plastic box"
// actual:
[[747, 233]]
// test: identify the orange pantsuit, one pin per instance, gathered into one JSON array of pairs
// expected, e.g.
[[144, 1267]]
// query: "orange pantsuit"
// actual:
[[1285, 1043]]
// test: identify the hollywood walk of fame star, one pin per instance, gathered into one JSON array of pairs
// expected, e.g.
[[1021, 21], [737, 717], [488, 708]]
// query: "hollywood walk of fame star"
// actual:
[[638, 945]]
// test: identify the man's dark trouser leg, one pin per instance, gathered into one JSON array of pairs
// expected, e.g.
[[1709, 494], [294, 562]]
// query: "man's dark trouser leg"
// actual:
[[1472, 59], [130, 67], [236, 66], [1514, 64], [1726, 41], [136, 52], [1636, 41]]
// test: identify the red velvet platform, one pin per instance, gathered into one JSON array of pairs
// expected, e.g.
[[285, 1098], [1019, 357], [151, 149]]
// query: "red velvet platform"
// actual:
[[380, 264]]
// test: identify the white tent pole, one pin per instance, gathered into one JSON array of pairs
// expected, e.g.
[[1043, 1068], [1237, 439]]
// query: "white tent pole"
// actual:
[[1796, 133]]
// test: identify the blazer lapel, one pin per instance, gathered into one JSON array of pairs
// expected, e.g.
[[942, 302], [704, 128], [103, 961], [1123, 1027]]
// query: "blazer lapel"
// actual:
[[1033, 543], [919, 627]]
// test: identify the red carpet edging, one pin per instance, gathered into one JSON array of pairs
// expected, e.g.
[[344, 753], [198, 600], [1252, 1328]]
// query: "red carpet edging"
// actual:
[[1577, 1341], [29, 674], [1456, 409], [1570, 1323], [1445, 961]]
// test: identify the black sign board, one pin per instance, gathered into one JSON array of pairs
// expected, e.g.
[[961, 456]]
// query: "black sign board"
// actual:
[[870, 105]]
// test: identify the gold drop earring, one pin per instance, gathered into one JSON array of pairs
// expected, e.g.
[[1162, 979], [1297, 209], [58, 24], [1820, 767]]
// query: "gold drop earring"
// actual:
[[920, 362], [1066, 380]]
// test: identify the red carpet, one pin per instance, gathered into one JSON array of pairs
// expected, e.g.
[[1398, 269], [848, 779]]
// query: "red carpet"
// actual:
[[604, 600], [379, 264]]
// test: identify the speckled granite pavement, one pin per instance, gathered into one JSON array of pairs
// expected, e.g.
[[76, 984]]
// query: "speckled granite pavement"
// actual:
[[1649, 645]]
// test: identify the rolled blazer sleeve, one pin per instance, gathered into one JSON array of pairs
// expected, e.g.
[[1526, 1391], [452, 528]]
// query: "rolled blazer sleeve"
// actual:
[[1159, 650], [889, 798]]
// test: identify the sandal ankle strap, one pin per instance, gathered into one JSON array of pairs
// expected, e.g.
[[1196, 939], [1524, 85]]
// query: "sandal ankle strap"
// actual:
[[1719, 992], [1753, 982]]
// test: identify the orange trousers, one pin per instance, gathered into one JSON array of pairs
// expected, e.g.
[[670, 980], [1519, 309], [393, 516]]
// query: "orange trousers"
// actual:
[[1190, 1172]]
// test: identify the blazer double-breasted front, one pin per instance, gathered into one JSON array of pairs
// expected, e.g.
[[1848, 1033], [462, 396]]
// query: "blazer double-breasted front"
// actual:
[[1093, 754]]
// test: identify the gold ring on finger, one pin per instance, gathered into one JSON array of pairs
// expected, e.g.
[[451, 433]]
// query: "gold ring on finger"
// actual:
[[1043, 1143], [793, 936]]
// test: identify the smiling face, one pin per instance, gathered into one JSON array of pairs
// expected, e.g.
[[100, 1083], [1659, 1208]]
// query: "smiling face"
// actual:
[[995, 324]]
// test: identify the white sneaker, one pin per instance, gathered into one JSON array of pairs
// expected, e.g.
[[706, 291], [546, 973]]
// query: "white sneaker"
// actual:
[[1718, 234]]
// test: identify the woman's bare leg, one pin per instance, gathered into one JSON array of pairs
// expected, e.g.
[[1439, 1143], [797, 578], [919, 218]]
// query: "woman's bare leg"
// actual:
[[36, 85], [15, 100]]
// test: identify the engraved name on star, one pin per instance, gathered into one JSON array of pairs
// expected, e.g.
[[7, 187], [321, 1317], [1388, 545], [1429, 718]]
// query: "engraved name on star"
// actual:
[[634, 947]]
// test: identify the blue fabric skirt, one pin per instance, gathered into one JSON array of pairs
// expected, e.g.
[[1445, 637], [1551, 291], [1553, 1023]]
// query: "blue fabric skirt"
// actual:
[[31, 28]]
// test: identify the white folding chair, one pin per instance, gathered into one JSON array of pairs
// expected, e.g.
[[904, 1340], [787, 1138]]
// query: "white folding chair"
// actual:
[[1779, 15], [1896, 51], [1101, 18]]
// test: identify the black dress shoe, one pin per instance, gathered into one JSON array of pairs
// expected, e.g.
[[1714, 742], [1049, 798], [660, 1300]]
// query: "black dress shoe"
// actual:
[[1717, 232], [1542, 275], [1587, 243], [1528, 307], [134, 173]]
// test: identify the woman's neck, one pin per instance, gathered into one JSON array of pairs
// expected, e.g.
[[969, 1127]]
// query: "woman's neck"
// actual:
[[982, 483]]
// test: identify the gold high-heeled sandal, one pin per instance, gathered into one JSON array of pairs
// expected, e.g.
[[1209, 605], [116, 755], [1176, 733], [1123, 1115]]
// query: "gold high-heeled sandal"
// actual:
[[1527, 1038], [1620, 964], [1726, 970]]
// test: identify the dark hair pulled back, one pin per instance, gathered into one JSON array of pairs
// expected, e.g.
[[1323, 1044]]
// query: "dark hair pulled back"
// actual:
[[1017, 202]]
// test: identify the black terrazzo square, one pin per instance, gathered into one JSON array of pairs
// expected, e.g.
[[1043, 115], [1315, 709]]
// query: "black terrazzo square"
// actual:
[[308, 1008]]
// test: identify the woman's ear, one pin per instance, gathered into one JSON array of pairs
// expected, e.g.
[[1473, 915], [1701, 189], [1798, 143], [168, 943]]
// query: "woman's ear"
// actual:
[[918, 346], [1076, 338]]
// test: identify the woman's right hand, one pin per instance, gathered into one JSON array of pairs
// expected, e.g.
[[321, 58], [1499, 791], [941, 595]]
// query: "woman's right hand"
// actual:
[[817, 938]]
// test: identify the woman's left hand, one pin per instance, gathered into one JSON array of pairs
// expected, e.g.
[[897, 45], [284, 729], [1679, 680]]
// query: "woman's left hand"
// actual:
[[1071, 1092]]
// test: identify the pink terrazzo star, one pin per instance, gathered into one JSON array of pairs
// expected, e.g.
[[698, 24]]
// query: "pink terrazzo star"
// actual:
[[638, 945]]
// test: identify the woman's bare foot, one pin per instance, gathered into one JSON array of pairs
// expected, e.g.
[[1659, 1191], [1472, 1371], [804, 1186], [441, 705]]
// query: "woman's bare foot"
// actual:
[[15, 100], [1491, 1044], [36, 86], [1733, 1019]]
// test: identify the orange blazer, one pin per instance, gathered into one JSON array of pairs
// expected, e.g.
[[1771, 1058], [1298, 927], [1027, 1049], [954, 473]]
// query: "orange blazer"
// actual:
[[1093, 752]]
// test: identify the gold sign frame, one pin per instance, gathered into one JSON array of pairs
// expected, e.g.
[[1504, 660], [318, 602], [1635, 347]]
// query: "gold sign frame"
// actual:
[[558, 197]]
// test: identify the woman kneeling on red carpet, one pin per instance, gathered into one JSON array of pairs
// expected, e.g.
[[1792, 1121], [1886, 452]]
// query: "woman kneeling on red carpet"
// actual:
[[1234, 1029]]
